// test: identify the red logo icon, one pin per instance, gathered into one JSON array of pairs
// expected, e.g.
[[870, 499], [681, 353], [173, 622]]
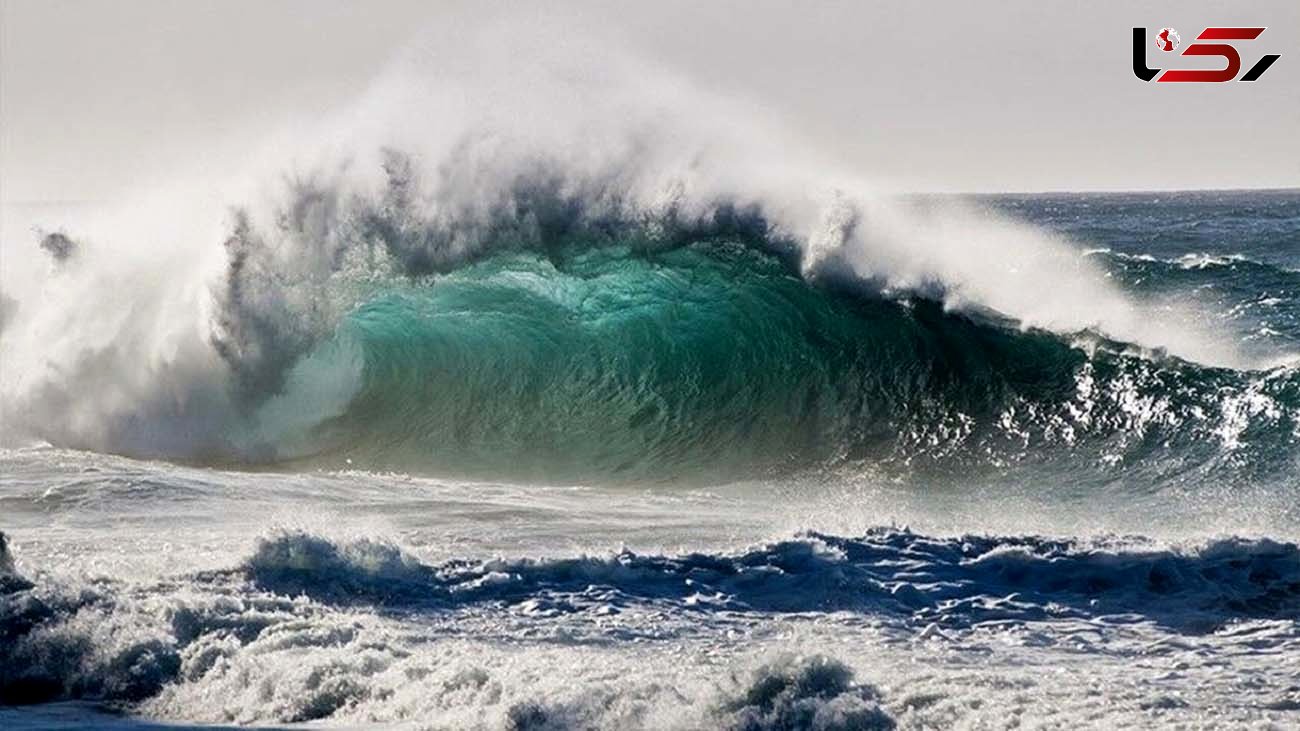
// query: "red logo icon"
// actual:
[[1168, 40]]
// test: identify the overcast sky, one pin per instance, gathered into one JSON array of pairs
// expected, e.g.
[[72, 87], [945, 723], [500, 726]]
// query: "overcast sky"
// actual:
[[1026, 95]]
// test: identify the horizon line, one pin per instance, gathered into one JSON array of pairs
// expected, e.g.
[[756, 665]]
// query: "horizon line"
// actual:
[[1047, 191]]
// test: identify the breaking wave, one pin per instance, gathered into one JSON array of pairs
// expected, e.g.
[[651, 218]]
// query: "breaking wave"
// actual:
[[639, 288], [575, 341]]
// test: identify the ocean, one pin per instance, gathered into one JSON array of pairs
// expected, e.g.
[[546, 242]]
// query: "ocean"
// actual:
[[556, 458]]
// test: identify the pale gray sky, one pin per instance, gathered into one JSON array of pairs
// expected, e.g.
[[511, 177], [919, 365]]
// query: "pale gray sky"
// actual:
[[1023, 95]]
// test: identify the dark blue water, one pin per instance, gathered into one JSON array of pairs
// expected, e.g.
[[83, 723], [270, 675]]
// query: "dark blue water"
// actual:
[[1239, 250]]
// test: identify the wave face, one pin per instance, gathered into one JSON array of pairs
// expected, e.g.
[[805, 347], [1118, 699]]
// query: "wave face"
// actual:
[[609, 361]]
